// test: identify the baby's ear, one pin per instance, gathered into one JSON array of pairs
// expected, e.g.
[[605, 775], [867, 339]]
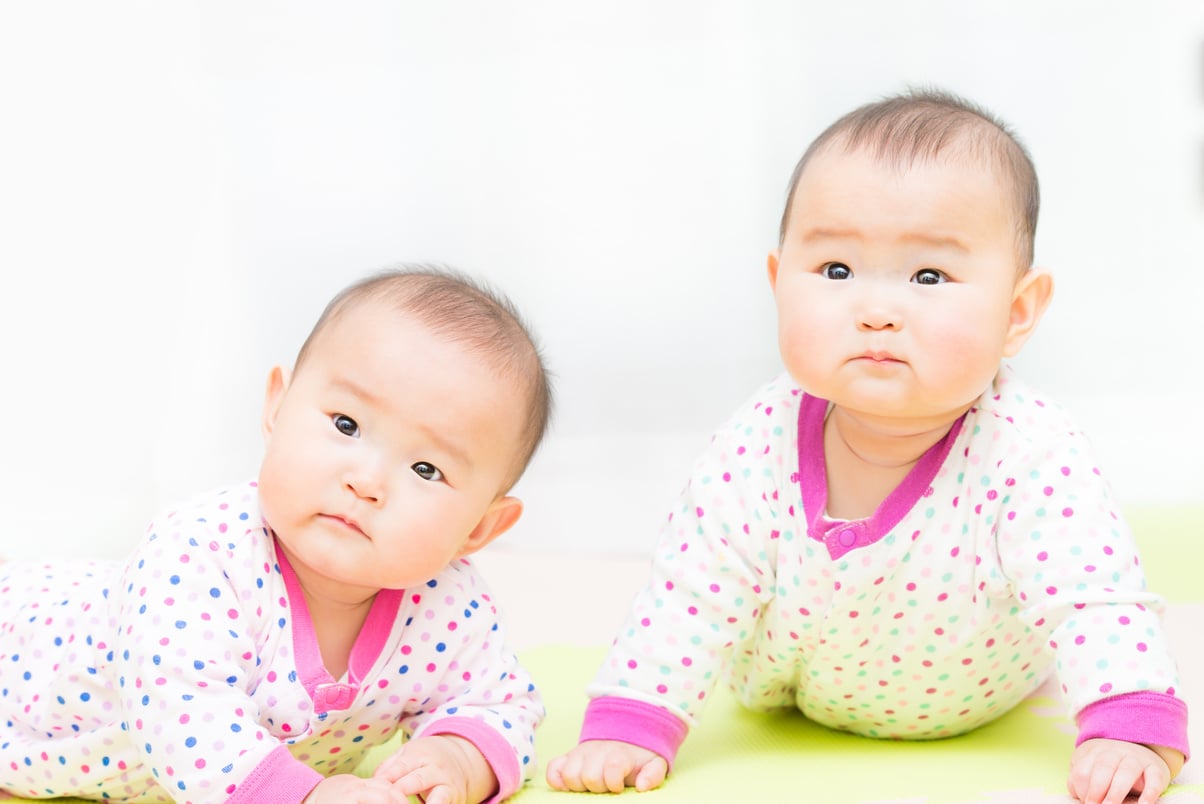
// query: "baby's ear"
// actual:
[[499, 518], [1033, 293], [278, 379]]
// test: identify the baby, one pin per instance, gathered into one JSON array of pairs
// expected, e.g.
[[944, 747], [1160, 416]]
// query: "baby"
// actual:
[[263, 637], [896, 536]]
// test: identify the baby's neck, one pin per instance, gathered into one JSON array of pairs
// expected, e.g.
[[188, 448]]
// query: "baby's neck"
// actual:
[[866, 460]]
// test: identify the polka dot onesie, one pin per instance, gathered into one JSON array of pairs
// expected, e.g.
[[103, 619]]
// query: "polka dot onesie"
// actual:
[[1000, 556], [192, 673]]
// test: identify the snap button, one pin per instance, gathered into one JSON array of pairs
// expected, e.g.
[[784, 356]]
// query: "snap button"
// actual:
[[847, 537], [333, 696]]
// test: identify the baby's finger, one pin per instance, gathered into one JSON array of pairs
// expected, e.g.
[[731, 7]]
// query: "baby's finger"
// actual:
[[393, 767], [652, 775], [439, 795], [552, 774], [1153, 782], [420, 781]]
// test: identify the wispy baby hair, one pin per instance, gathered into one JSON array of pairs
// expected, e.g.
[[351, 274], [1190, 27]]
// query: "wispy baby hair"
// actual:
[[924, 125], [463, 310]]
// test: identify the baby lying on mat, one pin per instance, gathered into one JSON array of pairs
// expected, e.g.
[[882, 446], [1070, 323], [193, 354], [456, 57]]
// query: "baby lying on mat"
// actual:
[[897, 536], [263, 637]]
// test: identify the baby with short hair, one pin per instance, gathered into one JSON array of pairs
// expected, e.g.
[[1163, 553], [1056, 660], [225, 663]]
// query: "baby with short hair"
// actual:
[[264, 636], [896, 536]]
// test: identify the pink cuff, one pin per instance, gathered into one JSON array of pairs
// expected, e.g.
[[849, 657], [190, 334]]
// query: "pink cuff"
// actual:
[[497, 752], [643, 724], [278, 779], [1148, 718]]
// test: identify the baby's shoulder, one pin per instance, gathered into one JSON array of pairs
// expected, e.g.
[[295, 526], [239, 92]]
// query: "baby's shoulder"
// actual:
[[1011, 410], [224, 521], [773, 404]]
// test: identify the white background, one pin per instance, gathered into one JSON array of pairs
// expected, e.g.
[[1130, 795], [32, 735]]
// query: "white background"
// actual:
[[183, 185]]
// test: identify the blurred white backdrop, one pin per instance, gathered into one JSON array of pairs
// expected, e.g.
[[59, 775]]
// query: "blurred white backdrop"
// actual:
[[183, 185]]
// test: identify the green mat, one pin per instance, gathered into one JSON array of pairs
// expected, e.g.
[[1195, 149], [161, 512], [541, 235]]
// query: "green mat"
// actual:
[[739, 756]]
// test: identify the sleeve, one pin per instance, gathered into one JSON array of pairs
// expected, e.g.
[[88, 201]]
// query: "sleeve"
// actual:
[[712, 575], [1073, 565], [475, 687], [185, 653]]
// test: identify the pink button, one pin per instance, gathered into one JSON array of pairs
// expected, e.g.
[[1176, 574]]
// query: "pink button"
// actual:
[[335, 696]]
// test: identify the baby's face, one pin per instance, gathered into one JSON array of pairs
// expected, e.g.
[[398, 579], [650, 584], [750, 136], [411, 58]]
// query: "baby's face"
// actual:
[[894, 288], [384, 451]]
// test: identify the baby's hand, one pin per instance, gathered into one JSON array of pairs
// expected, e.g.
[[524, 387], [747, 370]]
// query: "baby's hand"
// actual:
[[601, 766], [1106, 771], [347, 789], [443, 769]]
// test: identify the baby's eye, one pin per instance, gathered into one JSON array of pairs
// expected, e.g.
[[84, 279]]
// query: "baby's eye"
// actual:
[[427, 471], [929, 276], [346, 425], [836, 270]]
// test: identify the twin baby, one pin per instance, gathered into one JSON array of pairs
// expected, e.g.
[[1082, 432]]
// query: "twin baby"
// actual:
[[895, 536]]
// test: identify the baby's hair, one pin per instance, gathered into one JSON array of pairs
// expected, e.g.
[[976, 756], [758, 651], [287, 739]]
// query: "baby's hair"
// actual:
[[456, 307], [922, 125]]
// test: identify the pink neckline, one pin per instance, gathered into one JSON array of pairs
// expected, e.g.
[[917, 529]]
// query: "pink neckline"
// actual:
[[325, 691], [841, 537]]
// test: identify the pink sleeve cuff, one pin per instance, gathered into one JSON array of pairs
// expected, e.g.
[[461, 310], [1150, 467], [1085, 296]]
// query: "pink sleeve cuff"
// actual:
[[497, 752], [278, 779], [1148, 718], [643, 724]]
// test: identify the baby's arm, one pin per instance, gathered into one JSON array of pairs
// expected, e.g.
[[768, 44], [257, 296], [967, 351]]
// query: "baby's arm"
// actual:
[[607, 766], [443, 769], [479, 699], [1106, 771]]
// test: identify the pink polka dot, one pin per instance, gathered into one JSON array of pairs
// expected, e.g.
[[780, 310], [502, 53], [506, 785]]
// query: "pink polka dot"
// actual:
[[1067, 512]]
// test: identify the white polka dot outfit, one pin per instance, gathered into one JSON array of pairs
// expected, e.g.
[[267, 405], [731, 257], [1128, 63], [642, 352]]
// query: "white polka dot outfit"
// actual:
[[999, 557], [192, 673]]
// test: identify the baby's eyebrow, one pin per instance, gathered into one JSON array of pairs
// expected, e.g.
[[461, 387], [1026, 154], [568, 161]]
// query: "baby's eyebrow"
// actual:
[[448, 445], [939, 241], [924, 238]]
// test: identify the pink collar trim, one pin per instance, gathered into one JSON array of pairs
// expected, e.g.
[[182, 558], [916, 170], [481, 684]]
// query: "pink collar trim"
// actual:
[[841, 537], [328, 693]]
